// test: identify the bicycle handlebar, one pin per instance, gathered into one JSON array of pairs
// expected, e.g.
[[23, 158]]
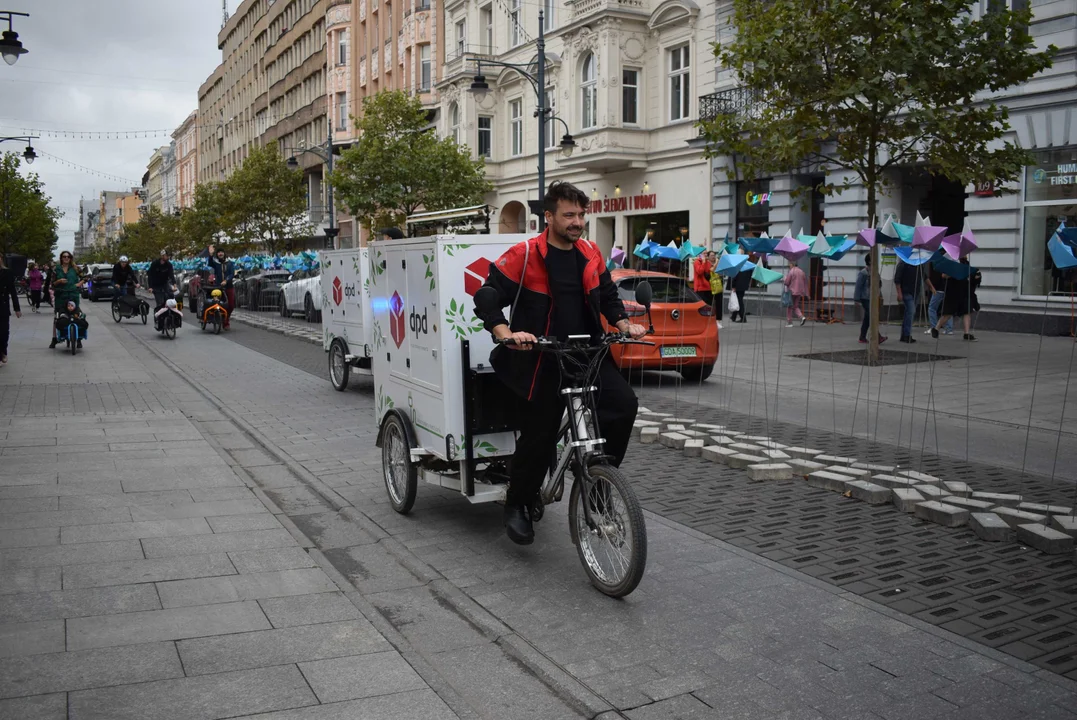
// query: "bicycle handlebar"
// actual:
[[553, 345]]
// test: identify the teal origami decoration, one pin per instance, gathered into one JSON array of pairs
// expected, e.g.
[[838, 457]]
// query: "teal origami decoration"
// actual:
[[1062, 245], [730, 264], [765, 275], [643, 250], [761, 245], [689, 250], [952, 268], [914, 256], [905, 233]]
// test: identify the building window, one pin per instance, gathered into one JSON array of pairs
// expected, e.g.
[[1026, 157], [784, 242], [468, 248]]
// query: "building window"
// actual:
[[486, 136], [454, 122], [424, 68], [342, 48], [753, 208], [388, 22], [550, 99], [516, 111], [515, 31], [679, 84], [630, 96], [461, 38], [486, 25], [548, 7], [589, 90], [1050, 199], [342, 111]]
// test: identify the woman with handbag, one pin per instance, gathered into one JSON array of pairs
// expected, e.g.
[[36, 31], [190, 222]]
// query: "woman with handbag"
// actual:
[[796, 289]]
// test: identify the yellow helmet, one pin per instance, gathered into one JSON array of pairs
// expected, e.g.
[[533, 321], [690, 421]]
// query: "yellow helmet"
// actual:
[[216, 294]]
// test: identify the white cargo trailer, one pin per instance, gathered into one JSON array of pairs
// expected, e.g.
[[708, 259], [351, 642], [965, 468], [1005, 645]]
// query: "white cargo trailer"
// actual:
[[346, 312]]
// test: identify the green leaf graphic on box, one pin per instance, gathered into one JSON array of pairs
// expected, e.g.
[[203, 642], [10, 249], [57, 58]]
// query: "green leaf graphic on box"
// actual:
[[482, 447]]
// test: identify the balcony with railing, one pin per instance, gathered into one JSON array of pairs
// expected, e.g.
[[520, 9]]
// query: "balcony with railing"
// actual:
[[582, 8], [457, 56], [735, 101]]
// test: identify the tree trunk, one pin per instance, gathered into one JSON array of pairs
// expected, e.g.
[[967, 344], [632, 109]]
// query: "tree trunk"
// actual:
[[873, 329]]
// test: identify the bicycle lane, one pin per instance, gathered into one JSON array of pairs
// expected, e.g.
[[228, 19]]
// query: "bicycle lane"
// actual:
[[712, 631]]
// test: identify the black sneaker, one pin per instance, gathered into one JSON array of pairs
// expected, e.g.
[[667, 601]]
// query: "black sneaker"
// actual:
[[518, 525], [970, 337], [52, 344], [935, 333], [908, 339], [78, 343]]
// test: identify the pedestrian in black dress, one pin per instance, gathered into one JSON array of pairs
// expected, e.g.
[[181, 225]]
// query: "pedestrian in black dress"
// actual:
[[957, 301], [9, 298]]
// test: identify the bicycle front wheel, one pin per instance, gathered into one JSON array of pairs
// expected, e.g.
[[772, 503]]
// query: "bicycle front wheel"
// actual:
[[613, 546]]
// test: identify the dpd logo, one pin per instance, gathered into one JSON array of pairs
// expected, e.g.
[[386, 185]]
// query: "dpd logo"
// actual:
[[338, 291], [475, 275], [417, 322], [396, 318]]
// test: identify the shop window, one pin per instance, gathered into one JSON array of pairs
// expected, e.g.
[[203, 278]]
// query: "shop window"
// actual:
[[1050, 199], [753, 208]]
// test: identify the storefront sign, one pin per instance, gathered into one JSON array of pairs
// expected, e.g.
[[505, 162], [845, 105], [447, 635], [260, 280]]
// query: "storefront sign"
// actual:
[[1054, 177], [757, 198], [624, 204]]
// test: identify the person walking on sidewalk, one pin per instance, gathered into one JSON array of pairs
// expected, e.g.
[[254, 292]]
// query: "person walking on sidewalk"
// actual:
[[701, 279], [50, 275], [66, 285], [741, 282], [957, 303], [36, 281], [936, 285], [910, 285], [717, 290], [862, 295], [796, 284], [9, 298]]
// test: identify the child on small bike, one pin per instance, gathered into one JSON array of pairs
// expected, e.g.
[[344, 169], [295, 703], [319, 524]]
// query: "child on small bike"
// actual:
[[68, 315], [171, 306]]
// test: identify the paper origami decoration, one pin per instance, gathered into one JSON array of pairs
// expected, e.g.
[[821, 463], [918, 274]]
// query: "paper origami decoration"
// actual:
[[790, 248], [1061, 246], [765, 275], [688, 250], [925, 235], [905, 233], [732, 264], [866, 237], [951, 268], [617, 256], [762, 245], [643, 250], [844, 245], [887, 234], [959, 244], [914, 256], [820, 246]]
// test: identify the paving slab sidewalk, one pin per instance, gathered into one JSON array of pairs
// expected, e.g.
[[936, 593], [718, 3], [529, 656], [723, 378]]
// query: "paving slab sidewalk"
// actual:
[[142, 575], [711, 632]]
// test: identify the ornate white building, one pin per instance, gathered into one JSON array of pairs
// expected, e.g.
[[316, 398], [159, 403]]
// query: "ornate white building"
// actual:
[[623, 75]]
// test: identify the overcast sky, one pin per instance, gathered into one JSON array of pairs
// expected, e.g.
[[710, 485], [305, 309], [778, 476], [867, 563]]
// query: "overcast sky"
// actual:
[[104, 65]]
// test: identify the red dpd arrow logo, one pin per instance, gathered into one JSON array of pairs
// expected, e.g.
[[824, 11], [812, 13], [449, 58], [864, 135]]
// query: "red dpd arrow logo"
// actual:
[[396, 318]]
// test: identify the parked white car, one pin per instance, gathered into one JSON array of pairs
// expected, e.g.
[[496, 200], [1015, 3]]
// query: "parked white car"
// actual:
[[302, 294]]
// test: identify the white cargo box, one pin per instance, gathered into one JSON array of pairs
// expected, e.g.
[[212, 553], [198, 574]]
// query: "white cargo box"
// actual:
[[423, 310], [346, 309]]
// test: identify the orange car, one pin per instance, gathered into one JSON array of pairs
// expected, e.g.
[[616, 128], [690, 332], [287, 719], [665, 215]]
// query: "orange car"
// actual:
[[685, 332]]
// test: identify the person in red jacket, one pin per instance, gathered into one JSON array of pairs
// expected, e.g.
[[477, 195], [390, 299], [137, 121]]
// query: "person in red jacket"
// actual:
[[701, 278], [557, 285]]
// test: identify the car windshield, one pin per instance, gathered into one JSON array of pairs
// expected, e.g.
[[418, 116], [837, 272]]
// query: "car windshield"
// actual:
[[666, 289]]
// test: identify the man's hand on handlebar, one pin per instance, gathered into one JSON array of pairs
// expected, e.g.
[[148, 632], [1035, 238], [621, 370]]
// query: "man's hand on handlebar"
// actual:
[[519, 340], [631, 329]]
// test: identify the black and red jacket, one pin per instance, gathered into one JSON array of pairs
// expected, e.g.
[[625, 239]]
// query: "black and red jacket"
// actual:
[[532, 313]]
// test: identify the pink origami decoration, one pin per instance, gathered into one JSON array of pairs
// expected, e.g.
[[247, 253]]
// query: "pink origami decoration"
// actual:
[[866, 237], [925, 235], [959, 245], [790, 248]]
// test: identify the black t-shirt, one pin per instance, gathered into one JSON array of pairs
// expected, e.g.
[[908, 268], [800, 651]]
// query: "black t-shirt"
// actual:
[[566, 291]]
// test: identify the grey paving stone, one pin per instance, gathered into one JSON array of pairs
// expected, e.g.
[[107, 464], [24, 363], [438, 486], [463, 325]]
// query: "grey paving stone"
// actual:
[[371, 568], [253, 586], [168, 624], [723, 440], [31, 638], [834, 459], [411, 705], [969, 503], [683, 707], [850, 471], [360, 676], [932, 492], [1045, 509], [216, 494], [207, 697], [199, 509], [894, 481], [27, 607], [1004, 499], [1045, 539], [718, 453], [217, 543], [693, 447], [875, 468], [869, 492], [333, 530], [942, 514], [29, 580], [804, 467], [134, 530], [672, 440], [1014, 517], [58, 518], [239, 523], [122, 499], [955, 487], [271, 559], [648, 435], [81, 669], [748, 448], [774, 454], [143, 571], [829, 480], [1065, 523], [770, 471], [70, 554], [189, 481], [37, 707], [920, 476], [741, 461], [30, 537], [204, 656], [803, 452], [326, 607], [989, 527], [905, 499]]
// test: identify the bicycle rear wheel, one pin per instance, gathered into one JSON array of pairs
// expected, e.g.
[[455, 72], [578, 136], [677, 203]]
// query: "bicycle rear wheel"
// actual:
[[169, 326], [117, 312], [613, 547]]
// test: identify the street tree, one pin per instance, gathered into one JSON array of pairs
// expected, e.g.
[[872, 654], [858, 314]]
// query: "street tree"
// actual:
[[28, 223], [398, 166], [201, 224], [154, 231], [865, 87], [263, 203]]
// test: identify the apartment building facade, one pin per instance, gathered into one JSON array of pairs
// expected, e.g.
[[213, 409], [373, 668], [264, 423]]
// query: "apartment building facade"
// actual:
[[1012, 228], [185, 139], [376, 45], [269, 88], [621, 78], [161, 182], [115, 210]]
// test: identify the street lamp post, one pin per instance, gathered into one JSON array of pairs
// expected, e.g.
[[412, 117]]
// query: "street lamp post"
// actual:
[[10, 47], [479, 87], [28, 154], [325, 152]]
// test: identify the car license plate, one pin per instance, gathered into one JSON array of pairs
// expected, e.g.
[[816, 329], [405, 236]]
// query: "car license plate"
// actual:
[[688, 351]]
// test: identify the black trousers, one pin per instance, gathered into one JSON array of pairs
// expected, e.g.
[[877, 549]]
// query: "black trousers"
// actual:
[[717, 304], [540, 419], [740, 301], [5, 329]]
